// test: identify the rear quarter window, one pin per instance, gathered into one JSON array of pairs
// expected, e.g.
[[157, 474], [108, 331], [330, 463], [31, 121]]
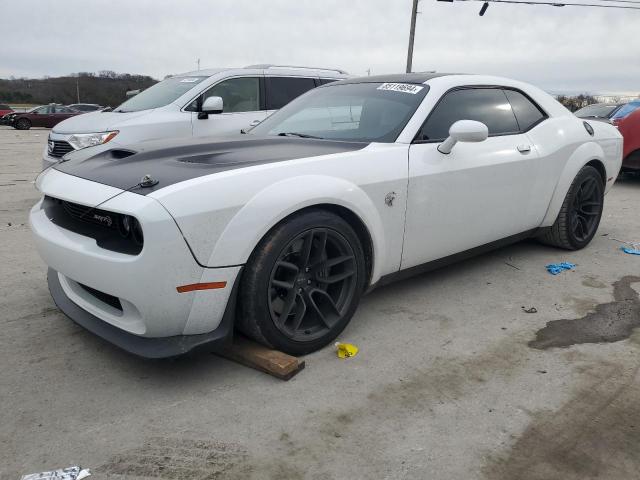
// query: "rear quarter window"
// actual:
[[527, 113]]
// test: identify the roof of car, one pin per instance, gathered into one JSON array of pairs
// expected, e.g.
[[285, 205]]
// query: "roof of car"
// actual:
[[320, 71], [417, 78]]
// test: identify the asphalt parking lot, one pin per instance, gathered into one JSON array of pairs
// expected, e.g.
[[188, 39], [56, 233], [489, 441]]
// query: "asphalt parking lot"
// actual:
[[454, 380]]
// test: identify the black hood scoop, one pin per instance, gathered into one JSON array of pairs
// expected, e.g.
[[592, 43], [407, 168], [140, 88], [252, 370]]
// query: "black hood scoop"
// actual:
[[175, 161]]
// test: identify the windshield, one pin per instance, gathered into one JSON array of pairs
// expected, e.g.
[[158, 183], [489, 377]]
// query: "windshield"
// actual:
[[160, 94], [361, 112], [596, 111], [626, 110]]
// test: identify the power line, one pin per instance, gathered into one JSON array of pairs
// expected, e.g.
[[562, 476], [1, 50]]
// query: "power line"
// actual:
[[621, 1], [554, 4]]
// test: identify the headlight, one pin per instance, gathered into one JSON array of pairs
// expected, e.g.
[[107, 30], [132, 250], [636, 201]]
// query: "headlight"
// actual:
[[84, 140]]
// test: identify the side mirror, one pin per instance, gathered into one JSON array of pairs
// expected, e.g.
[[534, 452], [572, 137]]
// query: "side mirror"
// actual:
[[211, 105], [464, 131]]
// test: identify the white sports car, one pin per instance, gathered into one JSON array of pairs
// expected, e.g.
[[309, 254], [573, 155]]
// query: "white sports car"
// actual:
[[162, 247]]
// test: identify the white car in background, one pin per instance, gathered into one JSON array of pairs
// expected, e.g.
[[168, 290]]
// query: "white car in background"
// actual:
[[181, 106], [156, 247]]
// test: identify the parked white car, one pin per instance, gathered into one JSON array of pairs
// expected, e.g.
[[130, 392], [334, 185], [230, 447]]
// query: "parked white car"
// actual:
[[156, 247], [174, 107]]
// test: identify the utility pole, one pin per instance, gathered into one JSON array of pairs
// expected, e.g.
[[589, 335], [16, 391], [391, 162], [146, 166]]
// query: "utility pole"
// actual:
[[78, 89], [198, 63], [412, 34]]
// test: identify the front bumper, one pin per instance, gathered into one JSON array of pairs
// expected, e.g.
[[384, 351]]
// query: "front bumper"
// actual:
[[133, 294], [161, 347]]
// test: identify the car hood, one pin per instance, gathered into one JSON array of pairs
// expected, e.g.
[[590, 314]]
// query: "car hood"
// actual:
[[168, 162], [91, 122]]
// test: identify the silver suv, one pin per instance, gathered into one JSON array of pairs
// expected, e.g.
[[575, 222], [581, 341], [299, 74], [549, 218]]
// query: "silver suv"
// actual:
[[193, 104]]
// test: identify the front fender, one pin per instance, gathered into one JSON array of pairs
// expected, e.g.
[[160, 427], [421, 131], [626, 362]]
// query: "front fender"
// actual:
[[578, 159], [279, 200]]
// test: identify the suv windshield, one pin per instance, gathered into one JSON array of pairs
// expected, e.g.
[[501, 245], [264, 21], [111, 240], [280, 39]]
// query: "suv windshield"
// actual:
[[361, 112], [596, 111], [160, 94]]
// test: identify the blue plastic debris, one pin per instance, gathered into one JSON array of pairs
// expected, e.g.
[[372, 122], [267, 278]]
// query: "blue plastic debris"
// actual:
[[556, 268], [631, 251]]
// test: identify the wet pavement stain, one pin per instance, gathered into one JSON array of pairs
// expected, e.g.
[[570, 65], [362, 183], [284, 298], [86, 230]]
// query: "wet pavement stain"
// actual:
[[610, 322], [593, 282], [594, 435]]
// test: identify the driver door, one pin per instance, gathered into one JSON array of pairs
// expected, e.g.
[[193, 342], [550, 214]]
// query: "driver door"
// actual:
[[40, 117], [242, 102], [478, 193]]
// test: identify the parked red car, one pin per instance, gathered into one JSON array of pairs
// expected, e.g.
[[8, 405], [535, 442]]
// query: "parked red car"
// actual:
[[627, 118], [629, 126], [45, 116], [4, 109]]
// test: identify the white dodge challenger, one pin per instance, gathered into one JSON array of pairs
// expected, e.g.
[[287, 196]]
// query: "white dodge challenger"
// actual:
[[163, 247]]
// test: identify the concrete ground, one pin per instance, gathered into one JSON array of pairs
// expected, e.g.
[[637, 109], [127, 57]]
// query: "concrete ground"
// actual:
[[454, 380]]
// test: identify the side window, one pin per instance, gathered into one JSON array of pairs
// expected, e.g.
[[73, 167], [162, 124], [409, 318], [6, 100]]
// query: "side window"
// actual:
[[62, 110], [527, 113], [281, 90], [44, 110], [487, 105], [324, 81], [238, 95]]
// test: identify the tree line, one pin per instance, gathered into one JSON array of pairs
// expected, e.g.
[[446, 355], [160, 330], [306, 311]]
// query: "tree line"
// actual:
[[105, 88], [576, 102]]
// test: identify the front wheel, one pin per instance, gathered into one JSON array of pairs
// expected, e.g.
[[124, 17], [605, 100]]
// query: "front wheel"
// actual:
[[23, 124], [302, 283], [580, 214]]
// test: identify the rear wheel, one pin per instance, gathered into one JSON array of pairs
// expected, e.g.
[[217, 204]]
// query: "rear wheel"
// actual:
[[302, 283], [23, 124], [580, 214]]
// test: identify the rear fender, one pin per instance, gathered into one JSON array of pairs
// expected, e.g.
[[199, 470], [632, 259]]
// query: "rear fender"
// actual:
[[580, 157]]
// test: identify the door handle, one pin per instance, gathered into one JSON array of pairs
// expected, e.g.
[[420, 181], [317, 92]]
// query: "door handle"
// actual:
[[524, 148]]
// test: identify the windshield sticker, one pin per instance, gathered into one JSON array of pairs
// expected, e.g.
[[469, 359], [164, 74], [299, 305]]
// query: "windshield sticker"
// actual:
[[401, 87], [189, 80]]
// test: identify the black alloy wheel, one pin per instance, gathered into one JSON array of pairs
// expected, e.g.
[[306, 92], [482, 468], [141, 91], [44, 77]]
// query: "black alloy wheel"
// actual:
[[580, 213], [312, 284], [586, 209], [302, 283]]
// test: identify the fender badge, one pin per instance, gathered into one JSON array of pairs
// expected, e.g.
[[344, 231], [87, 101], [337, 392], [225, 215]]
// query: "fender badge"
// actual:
[[148, 181], [389, 198]]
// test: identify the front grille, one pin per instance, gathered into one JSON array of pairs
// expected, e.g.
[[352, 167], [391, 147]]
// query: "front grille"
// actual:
[[60, 148], [92, 215], [103, 297], [107, 228]]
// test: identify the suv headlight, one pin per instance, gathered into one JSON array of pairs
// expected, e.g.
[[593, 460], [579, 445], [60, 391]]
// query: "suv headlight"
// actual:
[[84, 140]]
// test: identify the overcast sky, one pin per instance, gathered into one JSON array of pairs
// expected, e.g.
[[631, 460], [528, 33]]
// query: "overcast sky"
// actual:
[[566, 49]]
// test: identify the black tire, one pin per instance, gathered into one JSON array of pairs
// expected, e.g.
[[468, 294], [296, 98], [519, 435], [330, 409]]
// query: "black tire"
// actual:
[[22, 124], [580, 214], [280, 277]]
